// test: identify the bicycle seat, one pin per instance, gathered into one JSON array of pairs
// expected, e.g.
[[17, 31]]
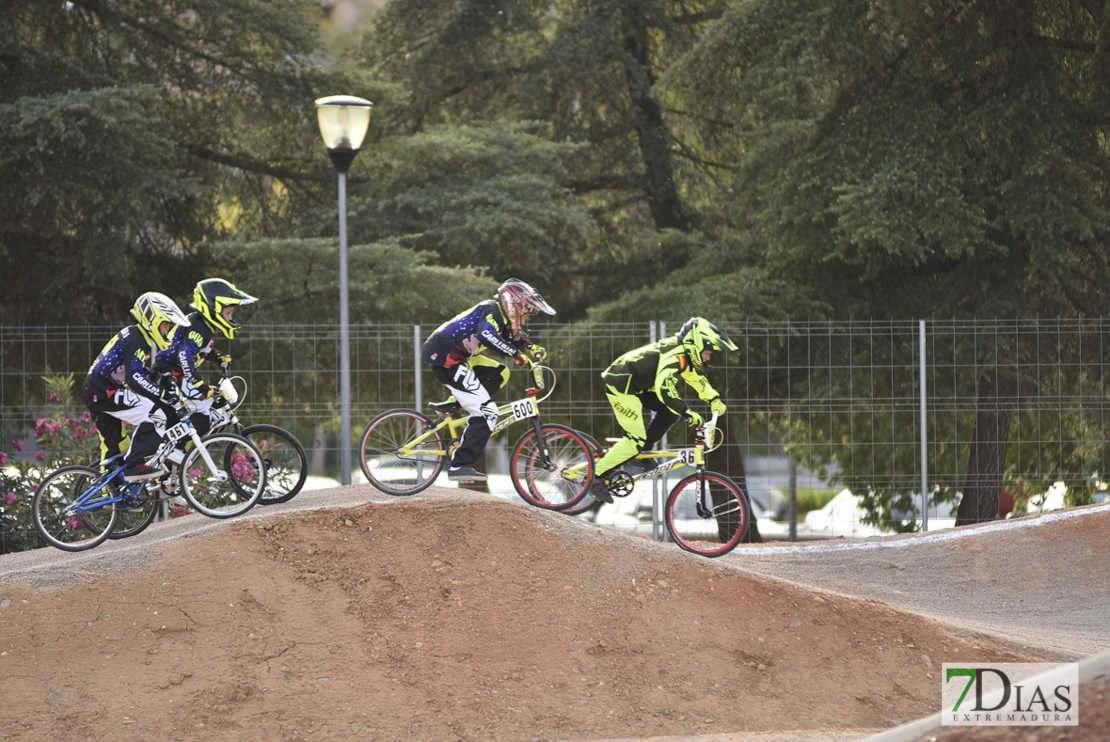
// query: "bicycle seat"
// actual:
[[447, 407]]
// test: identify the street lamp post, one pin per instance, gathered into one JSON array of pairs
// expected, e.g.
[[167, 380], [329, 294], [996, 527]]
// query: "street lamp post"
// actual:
[[343, 120]]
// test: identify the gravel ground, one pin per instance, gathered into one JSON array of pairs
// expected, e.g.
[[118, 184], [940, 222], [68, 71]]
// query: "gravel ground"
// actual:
[[1035, 581], [1038, 580]]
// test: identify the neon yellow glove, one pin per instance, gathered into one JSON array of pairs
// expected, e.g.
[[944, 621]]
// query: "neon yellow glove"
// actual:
[[693, 419], [718, 406], [539, 353]]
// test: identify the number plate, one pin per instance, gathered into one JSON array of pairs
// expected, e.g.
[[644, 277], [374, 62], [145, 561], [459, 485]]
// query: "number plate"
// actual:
[[686, 456], [177, 432], [524, 409]]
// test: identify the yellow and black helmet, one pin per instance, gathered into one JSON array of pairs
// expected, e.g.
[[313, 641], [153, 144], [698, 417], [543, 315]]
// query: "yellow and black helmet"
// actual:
[[151, 310], [700, 334], [211, 297]]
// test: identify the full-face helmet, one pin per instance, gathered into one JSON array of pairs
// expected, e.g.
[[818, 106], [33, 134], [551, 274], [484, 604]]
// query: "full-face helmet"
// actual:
[[212, 297], [519, 301], [699, 334], [151, 311]]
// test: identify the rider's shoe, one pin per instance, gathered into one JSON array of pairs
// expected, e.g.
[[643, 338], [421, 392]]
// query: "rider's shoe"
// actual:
[[599, 490], [141, 472], [465, 474], [449, 406]]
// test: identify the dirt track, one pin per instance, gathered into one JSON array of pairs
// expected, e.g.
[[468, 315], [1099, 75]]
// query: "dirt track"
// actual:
[[456, 616]]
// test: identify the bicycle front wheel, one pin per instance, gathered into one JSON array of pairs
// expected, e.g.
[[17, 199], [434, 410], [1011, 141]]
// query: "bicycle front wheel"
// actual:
[[559, 481], [233, 485], [709, 517], [285, 459], [68, 515], [397, 472]]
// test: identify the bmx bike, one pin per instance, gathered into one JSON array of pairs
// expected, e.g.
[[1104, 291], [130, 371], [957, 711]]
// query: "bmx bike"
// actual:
[[402, 451], [705, 513]]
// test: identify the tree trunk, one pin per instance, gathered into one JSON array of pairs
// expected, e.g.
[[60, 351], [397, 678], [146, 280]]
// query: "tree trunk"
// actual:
[[666, 206], [728, 461], [985, 464]]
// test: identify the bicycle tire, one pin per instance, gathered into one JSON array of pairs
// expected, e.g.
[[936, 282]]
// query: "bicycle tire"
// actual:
[[133, 521], [214, 494], [588, 502], [285, 459], [707, 533], [56, 495], [393, 474], [546, 488]]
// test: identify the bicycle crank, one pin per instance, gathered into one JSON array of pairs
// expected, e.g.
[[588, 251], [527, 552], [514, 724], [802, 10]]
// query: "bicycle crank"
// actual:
[[621, 483]]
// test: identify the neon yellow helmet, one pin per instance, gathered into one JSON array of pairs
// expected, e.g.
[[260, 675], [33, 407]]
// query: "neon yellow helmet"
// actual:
[[212, 296], [151, 310], [700, 334]]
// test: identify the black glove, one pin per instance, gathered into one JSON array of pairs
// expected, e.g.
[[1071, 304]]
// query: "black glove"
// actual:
[[220, 401]]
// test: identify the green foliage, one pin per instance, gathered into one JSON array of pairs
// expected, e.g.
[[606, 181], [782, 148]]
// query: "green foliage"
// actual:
[[297, 282], [119, 123]]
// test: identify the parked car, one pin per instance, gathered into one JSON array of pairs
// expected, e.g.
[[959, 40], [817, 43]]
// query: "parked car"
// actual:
[[770, 499], [844, 514]]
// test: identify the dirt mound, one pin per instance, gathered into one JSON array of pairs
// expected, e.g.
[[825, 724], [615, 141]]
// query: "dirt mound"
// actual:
[[456, 617]]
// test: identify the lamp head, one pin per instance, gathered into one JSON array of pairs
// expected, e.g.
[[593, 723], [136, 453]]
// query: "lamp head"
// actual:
[[343, 120]]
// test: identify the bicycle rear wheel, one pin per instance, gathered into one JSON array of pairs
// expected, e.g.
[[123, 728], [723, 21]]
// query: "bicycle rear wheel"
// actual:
[[136, 515], [391, 472], [285, 459], [562, 482], [710, 522], [237, 482], [65, 517]]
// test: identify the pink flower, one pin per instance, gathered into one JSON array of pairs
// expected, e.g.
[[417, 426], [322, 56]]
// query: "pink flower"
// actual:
[[11, 497], [54, 428], [242, 468], [52, 397], [178, 510], [3, 459], [93, 430], [17, 445], [40, 425], [87, 417], [40, 456]]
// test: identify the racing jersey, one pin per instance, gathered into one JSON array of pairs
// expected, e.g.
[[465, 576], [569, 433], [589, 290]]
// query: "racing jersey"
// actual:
[[656, 368], [188, 347], [482, 326], [124, 362]]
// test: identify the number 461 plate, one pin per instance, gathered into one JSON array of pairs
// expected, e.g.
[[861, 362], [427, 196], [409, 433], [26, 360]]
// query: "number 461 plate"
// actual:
[[524, 409]]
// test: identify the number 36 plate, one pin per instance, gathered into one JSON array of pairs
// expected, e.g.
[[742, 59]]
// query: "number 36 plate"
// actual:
[[524, 409]]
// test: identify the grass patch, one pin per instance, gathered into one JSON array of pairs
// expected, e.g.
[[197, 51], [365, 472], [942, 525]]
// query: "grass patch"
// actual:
[[813, 500]]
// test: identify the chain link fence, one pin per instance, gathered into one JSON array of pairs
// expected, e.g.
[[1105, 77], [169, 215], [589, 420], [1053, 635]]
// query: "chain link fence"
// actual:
[[867, 419]]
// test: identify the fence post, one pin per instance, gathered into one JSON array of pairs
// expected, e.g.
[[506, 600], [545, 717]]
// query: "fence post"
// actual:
[[664, 488], [924, 433], [656, 499], [416, 367]]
